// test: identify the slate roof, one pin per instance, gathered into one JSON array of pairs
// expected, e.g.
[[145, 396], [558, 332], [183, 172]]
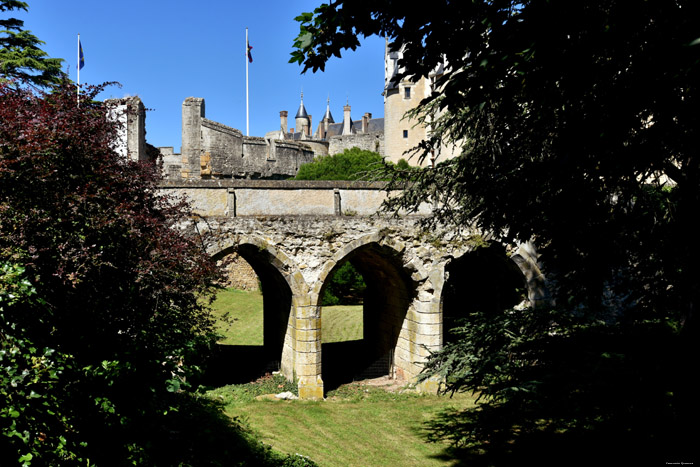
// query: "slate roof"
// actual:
[[302, 111]]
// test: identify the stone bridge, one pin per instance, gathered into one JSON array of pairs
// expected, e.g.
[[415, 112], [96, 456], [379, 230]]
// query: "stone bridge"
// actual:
[[296, 234]]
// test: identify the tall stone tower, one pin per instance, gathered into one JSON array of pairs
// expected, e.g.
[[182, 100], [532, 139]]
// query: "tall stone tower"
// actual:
[[401, 134]]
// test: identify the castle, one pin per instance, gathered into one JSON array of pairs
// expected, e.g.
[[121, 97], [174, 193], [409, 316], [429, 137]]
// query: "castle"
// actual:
[[212, 150], [367, 133]]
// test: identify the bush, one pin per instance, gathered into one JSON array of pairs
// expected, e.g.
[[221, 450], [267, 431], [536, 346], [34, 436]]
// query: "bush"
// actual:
[[351, 164], [346, 287], [101, 319]]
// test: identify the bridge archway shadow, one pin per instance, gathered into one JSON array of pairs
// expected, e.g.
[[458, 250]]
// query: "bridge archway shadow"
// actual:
[[484, 279], [234, 364], [388, 294]]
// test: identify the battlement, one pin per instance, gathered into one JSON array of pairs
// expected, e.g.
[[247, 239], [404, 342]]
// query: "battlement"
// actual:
[[210, 150]]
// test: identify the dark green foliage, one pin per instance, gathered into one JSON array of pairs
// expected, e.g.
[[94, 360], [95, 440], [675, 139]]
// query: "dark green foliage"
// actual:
[[20, 56], [574, 387], [346, 287], [351, 164], [102, 322], [578, 125]]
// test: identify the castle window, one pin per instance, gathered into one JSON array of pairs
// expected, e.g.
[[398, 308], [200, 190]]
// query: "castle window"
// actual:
[[407, 92], [405, 133]]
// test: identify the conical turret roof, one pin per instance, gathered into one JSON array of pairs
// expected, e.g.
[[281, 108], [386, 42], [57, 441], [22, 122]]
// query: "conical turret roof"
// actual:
[[328, 115], [301, 113]]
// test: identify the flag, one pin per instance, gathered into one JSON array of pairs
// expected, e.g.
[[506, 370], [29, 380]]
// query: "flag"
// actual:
[[81, 60], [249, 48]]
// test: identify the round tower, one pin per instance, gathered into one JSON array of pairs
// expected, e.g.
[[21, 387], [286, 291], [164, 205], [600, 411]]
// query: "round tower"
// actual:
[[302, 118]]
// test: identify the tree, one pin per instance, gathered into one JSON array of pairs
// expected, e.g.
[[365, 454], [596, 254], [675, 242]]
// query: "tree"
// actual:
[[578, 124], [346, 287], [351, 164], [20, 55], [100, 293]]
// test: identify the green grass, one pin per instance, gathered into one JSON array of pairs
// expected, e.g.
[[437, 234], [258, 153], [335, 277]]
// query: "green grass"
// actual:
[[341, 323], [239, 319], [238, 315], [355, 426]]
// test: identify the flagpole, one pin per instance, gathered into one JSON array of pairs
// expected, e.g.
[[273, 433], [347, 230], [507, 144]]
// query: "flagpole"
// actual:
[[247, 120], [78, 67]]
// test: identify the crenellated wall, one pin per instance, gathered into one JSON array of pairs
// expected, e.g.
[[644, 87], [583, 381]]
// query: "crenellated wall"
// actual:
[[366, 141], [212, 150]]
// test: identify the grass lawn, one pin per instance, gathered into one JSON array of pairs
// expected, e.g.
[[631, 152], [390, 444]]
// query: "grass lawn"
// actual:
[[356, 426], [239, 320], [238, 315]]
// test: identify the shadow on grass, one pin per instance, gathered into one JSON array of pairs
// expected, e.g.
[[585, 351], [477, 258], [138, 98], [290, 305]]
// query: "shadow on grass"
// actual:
[[198, 433], [489, 436], [349, 361], [238, 364]]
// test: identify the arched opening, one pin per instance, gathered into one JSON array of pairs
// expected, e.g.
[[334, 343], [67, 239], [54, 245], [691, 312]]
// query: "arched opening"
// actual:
[[484, 279], [267, 346], [387, 296]]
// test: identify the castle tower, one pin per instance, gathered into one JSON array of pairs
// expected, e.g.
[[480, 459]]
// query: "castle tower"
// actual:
[[328, 118], [326, 121], [283, 122], [302, 119], [347, 121], [400, 135]]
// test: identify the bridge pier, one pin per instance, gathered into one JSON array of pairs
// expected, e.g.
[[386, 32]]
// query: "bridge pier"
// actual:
[[308, 349]]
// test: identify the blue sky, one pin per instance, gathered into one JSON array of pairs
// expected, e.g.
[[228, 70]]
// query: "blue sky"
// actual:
[[166, 51]]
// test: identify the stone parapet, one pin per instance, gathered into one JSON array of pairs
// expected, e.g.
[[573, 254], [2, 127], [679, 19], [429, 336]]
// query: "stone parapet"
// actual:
[[241, 198]]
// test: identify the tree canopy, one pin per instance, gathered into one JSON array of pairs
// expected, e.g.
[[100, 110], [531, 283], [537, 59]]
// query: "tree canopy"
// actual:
[[351, 164], [578, 124], [103, 312], [21, 57]]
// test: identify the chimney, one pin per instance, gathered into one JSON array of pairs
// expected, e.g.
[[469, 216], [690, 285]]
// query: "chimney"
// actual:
[[365, 122], [346, 120], [283, 121]]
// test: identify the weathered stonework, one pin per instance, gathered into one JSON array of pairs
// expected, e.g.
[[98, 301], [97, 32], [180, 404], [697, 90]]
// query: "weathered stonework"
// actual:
[[212, 150], [130, 115], [365, 141], [239, 274], [296, 249]]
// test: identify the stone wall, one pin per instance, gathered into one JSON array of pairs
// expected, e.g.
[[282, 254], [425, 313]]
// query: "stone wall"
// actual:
[[366, 141], [130, 115], [240, 198], [212, 150], [239, 273]]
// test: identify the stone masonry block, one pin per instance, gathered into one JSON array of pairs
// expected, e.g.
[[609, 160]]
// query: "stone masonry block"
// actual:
[[308, 358], [311, 388], [306, 336], [308, 324], [427, 318], [305, 370], [308, 346]]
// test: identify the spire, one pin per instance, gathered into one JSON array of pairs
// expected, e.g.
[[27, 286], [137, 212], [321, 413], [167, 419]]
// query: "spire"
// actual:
[[328, 117], [301, 113]]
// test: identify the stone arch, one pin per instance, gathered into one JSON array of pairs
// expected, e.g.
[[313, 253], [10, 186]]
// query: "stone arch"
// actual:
[[486, 278], [281, 285], [387, 299]]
